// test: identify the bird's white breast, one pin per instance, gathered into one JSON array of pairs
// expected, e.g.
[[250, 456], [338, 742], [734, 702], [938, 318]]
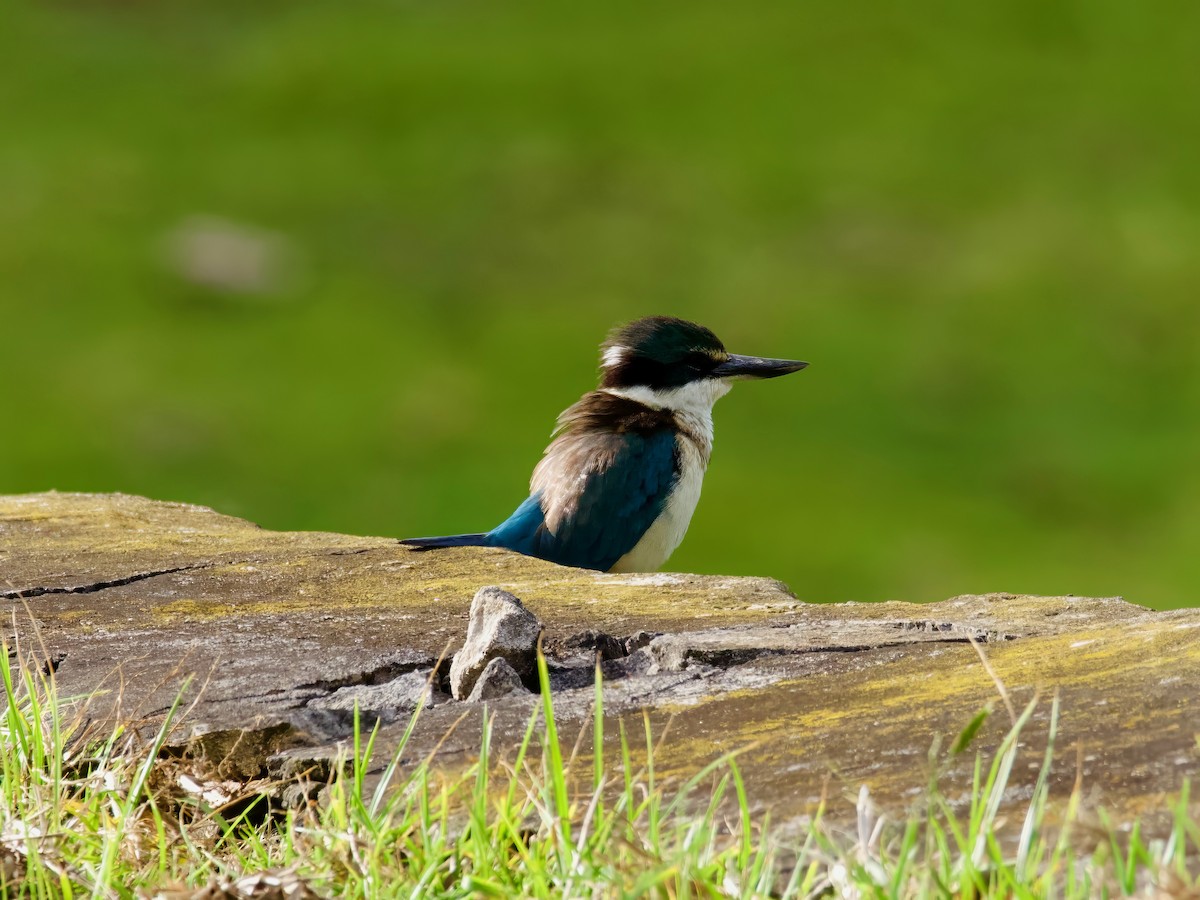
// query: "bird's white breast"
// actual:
[[661, 538], [692, 406]]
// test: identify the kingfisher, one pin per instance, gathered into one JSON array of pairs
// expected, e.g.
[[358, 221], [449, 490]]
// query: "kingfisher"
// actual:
[[617, 486]]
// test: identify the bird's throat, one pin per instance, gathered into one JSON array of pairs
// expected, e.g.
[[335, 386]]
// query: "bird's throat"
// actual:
[[691, 406]]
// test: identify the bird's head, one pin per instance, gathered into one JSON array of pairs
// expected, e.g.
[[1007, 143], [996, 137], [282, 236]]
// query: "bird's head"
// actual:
[[674, 363]]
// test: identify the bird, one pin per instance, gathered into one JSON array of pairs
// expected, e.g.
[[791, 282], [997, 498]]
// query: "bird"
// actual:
[[616, 488]]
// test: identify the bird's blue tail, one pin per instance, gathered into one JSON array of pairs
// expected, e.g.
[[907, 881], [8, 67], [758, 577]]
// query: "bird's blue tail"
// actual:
[[454, 540]]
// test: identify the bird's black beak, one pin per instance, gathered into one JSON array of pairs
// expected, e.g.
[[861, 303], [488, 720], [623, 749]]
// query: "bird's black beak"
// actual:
[[756, 367]]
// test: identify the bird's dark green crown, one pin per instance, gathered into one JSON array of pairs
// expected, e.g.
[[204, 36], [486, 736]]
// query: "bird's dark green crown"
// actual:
[[660, 352]]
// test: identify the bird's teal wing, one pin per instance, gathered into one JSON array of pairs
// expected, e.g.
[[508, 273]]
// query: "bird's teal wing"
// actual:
[[601, 513]]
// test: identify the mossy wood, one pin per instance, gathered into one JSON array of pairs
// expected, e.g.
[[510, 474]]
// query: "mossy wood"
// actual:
[[285, 632]]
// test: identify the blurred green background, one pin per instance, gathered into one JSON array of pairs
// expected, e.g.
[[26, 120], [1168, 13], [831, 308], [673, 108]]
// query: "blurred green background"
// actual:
[[338, 266]]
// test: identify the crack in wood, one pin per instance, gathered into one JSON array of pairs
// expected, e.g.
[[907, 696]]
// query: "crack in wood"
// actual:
[[93, 587]]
